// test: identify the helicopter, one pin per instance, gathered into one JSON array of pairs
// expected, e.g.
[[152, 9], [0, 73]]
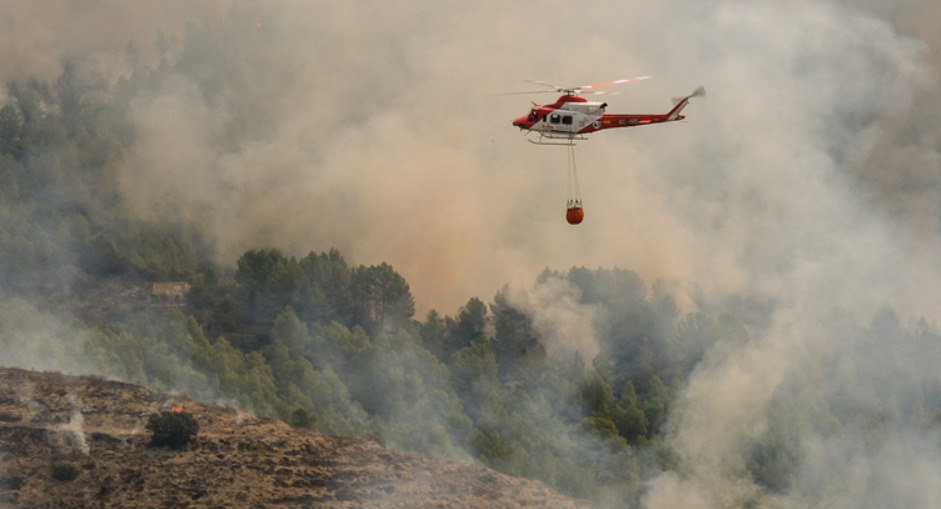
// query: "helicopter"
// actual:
[[571, 117]]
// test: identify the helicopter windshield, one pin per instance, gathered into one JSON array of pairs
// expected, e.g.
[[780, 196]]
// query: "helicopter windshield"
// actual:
[[533, 115]]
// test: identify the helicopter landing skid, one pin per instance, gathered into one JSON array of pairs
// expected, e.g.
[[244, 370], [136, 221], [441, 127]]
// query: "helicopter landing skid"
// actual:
[[564, 140]]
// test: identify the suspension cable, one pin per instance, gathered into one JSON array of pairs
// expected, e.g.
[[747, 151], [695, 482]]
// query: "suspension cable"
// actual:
[[574, 192]]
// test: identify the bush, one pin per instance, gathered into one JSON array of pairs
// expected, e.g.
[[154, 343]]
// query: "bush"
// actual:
[[301, 418], [64, 471], [172, 429]]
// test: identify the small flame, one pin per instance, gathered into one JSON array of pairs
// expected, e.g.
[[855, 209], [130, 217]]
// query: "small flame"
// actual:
[[177, 409]]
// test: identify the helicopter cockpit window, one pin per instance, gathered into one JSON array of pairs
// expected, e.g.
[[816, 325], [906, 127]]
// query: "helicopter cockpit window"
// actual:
[[533, 116], [554, 119]]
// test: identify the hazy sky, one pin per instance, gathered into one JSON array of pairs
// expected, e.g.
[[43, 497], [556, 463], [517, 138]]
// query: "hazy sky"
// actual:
[[810, 173]]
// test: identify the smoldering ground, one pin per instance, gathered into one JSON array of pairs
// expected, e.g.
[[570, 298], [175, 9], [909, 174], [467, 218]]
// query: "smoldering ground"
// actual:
[[809, 174]]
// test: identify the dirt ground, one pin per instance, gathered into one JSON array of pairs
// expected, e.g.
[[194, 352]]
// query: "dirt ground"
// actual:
[[95, 427]]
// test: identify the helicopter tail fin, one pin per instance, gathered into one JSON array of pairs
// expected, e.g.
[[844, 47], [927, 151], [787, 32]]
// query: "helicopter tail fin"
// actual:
[[681, 102]]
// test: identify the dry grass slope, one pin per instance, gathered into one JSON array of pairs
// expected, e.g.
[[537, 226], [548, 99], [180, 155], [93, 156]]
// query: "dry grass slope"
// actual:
[[50, 422]]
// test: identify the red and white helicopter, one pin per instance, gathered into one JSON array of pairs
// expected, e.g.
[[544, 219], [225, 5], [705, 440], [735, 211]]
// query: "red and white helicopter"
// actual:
[[571, 117]]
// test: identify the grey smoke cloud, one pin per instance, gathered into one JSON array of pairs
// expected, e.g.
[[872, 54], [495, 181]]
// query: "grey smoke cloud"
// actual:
[[810, 173], [563, 324], [39, 37], [376, 133]]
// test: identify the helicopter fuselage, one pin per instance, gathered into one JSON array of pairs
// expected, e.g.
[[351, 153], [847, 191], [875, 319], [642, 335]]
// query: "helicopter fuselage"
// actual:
[[572, 115]]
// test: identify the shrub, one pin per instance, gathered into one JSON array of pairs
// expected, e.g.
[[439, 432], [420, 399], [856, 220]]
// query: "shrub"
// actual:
[[172, 429], [301, 418], [64, 471]]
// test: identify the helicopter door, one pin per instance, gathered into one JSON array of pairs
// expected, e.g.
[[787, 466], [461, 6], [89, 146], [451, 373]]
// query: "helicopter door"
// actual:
[[560, 122]]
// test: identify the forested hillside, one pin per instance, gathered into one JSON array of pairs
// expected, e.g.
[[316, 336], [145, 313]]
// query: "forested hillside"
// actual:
[[324, 344]]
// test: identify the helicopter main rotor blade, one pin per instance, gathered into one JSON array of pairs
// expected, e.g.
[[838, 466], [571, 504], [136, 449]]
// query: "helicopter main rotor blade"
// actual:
[[584, 89], [607, 83], [526, 93], [545, 84]]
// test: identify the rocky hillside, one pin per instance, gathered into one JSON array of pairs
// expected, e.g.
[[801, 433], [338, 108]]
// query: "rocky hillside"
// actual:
[[95, 429]]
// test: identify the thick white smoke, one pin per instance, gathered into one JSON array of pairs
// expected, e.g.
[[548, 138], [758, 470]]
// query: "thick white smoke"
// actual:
[[563, 324]]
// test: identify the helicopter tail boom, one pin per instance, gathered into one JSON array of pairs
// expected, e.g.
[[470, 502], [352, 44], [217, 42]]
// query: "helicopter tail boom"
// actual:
[[610, 121]]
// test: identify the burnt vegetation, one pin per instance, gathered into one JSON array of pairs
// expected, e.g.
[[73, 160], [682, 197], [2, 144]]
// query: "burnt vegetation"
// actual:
[[64, 471], [174, 429]]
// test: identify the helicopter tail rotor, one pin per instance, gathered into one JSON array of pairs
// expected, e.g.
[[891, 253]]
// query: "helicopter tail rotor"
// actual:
[[699, 92]]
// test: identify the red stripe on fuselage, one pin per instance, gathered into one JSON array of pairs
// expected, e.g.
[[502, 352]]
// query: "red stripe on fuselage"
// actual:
[[615, 120]]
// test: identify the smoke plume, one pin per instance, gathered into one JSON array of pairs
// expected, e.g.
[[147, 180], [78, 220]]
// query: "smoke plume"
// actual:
[[563, 324]]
